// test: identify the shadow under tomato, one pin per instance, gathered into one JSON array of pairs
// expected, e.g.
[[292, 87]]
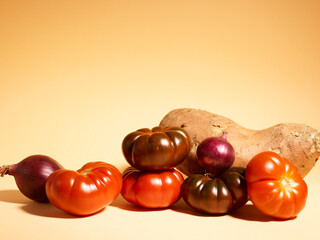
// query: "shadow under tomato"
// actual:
[[182, 207], [50, 211], [247, 212], [250, 213], [13, 196], [123, 204], [32, 207]]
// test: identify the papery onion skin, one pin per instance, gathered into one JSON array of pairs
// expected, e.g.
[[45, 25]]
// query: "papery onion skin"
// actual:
[[216, 154], [31, 175]]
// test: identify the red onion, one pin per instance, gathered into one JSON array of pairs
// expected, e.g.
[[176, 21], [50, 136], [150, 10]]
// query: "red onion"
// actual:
[[216, 154], [31, 175]]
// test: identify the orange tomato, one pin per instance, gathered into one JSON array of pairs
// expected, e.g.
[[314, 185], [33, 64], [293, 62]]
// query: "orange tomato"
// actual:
[[275, 186], [85, 191]]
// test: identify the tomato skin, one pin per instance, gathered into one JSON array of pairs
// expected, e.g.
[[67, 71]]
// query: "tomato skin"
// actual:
[[160, 148], [275, 186], [85, 191], [217, 195], [151, 189]]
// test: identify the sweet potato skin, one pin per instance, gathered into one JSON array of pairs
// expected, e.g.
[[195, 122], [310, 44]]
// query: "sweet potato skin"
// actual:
[[297, 142]]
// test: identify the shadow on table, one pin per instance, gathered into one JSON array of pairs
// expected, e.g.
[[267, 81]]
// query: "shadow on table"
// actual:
[[13, 196], [123, 204], [32, 207], [179, 206], [45, 210], [251, 213], [182, 207], [248, 213]]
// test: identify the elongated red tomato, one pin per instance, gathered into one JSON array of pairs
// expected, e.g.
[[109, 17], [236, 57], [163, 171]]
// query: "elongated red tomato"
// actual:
[[85, 191], [275, 186], [151, 189]]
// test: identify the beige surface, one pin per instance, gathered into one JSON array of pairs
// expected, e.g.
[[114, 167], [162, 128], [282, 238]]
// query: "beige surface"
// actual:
[[76, 77]]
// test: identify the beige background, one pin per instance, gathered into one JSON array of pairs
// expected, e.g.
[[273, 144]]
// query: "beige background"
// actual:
[[77, 76]]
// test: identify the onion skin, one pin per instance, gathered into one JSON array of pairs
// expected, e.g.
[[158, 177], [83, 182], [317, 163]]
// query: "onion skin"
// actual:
[[31, 175], [216, 154]]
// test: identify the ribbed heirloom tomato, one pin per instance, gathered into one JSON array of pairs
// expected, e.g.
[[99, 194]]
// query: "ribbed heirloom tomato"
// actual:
[[275, 186], [151, 189], [160, 148], [217, 195], [85, 191]]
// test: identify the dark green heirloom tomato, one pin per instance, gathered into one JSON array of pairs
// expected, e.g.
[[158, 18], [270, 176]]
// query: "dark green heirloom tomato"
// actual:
[[160, 148], [217, 195]]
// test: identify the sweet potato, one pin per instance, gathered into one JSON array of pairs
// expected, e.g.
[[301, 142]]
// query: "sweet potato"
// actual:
[[297, 142]]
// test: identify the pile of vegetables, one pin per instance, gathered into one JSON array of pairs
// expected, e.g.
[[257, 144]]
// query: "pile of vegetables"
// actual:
[[82, 192], [221, 189], [152, 181], [274, 184], [297, 142], [225, 166]]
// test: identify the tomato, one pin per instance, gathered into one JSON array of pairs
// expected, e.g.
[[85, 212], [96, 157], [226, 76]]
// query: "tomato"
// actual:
[[85, 191], [275, 186], [160, 148], [151, 189], [217, 195]]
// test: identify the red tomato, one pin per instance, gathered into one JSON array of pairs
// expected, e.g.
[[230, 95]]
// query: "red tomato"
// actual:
[[85, 191], [151, 189], [275, 186]]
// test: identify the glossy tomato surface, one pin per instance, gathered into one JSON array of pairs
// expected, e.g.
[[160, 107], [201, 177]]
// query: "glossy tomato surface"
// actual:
[[85, 191], [151, 189], [217, 195], [160, 148], [275, 186]]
